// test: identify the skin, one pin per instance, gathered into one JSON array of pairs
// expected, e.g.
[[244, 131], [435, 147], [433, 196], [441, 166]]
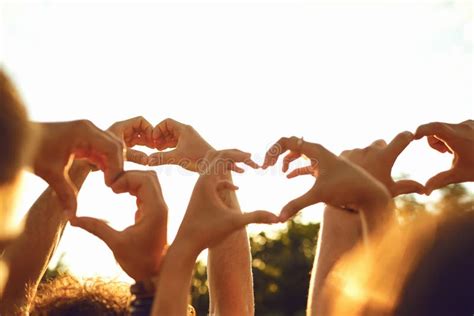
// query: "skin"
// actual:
[[61, 142], [147, 238], [342, 230], [134, 131], [188, 147], [229, 262], [457, 139], [208, 221], [29, 255], [339, 183], [229, 266]]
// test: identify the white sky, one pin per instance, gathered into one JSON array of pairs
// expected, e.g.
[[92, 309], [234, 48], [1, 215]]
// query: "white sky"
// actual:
[[243, 73]]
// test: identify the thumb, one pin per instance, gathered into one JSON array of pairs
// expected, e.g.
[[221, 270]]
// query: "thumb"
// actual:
[[66, 192], [440, 180], [137, 156], [407, 186], [296, 205], [257, 217], [163, 158], [98, 228]]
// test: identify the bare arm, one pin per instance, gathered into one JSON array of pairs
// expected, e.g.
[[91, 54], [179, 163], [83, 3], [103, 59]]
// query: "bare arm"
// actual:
[[229, 270], [208, 221], [340, 231], [29, 255]]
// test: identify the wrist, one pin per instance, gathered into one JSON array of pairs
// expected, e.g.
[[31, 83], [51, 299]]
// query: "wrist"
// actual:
[[379, 212], [184, 248]]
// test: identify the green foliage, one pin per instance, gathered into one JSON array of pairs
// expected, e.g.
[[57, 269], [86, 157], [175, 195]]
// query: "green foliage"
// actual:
[[281, 267]]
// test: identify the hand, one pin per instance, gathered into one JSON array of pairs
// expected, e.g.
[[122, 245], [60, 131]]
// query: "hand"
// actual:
[[340, 183], [189, 147], [208, 219], [134, 131], [139, 248], [60, 143], [378, 160], [458, 139]]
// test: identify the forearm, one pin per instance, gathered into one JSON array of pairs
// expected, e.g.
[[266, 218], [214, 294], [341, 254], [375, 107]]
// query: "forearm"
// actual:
[[29, 255], [174, 281], [340, 232], [229, 271]]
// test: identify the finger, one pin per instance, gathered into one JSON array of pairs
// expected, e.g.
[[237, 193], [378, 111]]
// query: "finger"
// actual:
[[138, 215], [163, 158], [292, 156], [249, 162], [438, 144], [236, 155], [226, 185], [113, 154], [133, 181], [65, 190], [442, 130], [234, 167], [300, 171], [256, 217], [380, 143], [225, 160], [134, 131], [144, 130], [440, 180], [167, 129], [311, 150], [98, 228], [271, 156], [137, 156], [398, 145], [406, 187], [296, 205]]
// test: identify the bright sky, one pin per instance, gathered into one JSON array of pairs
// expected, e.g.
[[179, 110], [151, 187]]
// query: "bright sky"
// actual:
[[243, 73]]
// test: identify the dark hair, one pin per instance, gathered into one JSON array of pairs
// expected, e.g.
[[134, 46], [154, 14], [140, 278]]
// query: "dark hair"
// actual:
[[443, 281], [13, 130]]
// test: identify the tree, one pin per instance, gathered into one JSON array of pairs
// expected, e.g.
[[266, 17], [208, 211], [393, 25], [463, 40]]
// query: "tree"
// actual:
[[281, 267], [282, 262]]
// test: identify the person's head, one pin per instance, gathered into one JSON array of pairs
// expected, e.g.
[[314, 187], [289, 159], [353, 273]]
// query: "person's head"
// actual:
[[14, 136], [426, 268], [66, 295]]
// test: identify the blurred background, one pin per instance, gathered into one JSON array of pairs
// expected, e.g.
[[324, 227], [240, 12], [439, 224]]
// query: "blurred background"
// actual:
[[244, 73]]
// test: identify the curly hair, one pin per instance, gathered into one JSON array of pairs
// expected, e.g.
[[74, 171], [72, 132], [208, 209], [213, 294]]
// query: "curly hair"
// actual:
[[67, 296]]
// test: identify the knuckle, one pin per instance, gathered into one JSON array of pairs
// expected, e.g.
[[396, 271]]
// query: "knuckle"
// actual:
[[151, 173], [85, 123], [407, 135]]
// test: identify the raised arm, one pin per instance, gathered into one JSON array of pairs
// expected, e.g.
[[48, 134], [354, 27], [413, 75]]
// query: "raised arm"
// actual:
[[229, 270], [207, 222], [28, 256], [229, 262], [340, 232], [342, 229]]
